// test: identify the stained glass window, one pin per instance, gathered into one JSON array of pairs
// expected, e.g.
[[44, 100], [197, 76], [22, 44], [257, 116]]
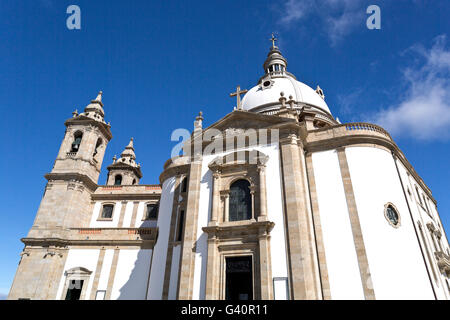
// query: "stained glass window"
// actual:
[[240, 201]]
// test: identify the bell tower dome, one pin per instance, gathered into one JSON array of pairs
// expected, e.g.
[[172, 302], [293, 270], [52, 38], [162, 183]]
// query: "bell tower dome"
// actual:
[[125, 170]]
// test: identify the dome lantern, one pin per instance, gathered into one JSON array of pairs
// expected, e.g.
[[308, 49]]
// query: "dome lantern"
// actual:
[[275, 63]]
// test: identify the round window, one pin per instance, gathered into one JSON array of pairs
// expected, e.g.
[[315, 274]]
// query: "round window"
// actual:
[[266, 83], [392, 215]]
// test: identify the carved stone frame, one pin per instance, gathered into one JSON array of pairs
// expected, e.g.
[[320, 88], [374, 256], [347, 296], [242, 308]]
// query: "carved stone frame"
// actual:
[[245, 165], [77, 273], [387, 218], [100, 218]]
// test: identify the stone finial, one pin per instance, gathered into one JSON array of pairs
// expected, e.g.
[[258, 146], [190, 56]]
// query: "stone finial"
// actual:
[[99, 96], [291, 102], [319, 91], [282, 100], [75, 113], [130, 145], [114, 159], [198, 121]]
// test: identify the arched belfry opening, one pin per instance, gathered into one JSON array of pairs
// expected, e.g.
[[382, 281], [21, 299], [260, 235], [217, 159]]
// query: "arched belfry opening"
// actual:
[[76, 141]]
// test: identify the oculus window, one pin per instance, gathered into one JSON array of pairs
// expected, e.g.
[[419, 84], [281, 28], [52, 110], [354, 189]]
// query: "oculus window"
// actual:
[[391, 214]]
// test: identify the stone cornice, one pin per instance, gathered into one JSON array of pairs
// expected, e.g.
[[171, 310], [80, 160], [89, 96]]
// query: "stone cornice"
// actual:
[[227, 229], [125, 166], [126, 196], [359, 134], [91, 185], [104, 128], [172, 170], [141, 237]]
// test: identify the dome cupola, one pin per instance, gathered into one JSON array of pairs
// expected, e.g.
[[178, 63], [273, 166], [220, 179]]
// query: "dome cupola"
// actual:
[[265, 96]]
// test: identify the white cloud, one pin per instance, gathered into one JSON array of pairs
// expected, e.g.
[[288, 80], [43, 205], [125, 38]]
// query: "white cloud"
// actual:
[[424, 110], [339, 17]]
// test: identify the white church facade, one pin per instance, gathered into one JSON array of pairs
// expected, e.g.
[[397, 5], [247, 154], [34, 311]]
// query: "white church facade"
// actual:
[[277, 200]]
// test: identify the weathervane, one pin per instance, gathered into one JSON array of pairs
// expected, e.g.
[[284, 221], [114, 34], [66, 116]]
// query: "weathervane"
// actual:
[[238, 96]]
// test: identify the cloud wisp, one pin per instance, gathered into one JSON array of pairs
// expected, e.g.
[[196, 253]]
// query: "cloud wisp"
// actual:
[[423, 112], [338, 17]]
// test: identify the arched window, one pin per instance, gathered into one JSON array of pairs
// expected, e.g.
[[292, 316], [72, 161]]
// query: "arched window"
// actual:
[[99, 143], [76, 142], [118, 180], [240, 201], [184, 185]]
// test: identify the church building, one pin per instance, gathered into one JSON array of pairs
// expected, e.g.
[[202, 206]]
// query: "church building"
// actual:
[[277, 200]]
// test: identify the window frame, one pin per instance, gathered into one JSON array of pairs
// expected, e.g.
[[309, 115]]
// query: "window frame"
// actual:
[[386, 206], [145, 215], [251, 204], [100, 215]]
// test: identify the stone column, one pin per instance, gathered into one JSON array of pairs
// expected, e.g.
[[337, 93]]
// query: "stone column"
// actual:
[[216, 198], [265, 264], [211, 274], [186, 282], [262, 193], [252, 193], [303, 272], [225, 198]]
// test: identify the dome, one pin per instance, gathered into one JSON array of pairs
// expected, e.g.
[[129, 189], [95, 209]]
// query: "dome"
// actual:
[[267, 93], [265, 96]]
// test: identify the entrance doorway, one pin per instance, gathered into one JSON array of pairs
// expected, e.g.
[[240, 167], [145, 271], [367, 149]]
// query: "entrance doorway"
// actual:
[[239, 278], [74, 290]]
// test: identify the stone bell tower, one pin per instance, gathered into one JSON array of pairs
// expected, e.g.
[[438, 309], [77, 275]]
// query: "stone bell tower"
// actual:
[[66, 202], [75, 172], [125, 170]]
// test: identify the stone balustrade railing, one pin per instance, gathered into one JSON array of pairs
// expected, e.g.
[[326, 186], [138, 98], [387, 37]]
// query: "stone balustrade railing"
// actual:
[[366, 126]]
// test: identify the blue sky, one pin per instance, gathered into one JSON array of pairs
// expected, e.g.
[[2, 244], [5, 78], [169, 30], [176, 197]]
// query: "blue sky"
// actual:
[[159, 63]]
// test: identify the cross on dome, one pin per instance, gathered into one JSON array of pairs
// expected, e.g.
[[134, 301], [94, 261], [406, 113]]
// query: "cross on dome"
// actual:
[[273, 39]]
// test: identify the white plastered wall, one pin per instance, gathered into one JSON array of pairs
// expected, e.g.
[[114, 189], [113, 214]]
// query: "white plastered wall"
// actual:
[[131, 277], [395, 260], [340, 253], [160, 250], [85, 258]]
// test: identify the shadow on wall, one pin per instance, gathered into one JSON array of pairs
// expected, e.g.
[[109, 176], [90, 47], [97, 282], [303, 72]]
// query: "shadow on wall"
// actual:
[[135, 287], [135, 284]]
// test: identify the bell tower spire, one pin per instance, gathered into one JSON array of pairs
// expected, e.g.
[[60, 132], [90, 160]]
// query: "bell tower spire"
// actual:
[[125, 170]]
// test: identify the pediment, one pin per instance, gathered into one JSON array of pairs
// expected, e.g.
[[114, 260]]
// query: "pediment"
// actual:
[[239, 121]]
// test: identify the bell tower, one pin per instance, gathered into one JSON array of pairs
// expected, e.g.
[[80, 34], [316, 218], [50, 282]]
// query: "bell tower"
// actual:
[[125, 170], [66, 203], [74, 176]]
